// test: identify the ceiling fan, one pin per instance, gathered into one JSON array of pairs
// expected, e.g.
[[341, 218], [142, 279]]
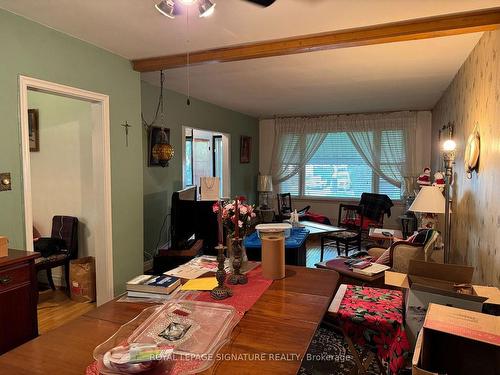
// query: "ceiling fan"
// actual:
[[172, 8]]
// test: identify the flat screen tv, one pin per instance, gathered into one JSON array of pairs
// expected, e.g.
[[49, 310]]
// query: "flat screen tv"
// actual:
[[183, 211]]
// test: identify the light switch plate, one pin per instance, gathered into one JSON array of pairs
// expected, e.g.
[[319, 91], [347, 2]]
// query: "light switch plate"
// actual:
[[5, 182]]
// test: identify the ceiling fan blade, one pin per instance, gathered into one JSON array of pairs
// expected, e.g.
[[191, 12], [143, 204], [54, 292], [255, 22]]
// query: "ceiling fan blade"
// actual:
[[264, 3]]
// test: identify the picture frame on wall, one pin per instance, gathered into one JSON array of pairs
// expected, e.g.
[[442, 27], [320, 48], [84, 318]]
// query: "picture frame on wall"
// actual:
[[33, 130], [245, 149], [153, 137]]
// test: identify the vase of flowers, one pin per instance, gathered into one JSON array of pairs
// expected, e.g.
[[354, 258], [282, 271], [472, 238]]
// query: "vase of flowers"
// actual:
[[237, 218]]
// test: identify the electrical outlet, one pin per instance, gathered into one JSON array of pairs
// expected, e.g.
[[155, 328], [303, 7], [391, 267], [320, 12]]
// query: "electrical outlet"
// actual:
[[5, 182]]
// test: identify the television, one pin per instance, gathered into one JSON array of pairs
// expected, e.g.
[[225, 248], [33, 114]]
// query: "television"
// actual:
[[183, 213]]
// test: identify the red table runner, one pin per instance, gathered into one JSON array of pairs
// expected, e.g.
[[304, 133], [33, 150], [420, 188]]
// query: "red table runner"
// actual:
[[244, 296], [373, 318]]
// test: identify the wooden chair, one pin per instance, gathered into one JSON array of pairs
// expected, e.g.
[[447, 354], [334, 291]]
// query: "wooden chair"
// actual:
[[351, 218], [285, 207], [64, 228]]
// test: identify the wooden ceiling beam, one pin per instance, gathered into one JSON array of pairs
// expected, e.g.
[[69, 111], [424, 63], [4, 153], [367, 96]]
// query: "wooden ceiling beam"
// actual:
[[420, 28]]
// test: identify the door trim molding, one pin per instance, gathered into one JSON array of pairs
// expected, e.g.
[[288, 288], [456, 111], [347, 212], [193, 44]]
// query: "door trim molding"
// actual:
[[100, 110]]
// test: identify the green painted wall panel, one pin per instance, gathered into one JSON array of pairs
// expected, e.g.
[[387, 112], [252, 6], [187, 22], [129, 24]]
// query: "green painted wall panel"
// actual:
[[28, 48], [159, 183]]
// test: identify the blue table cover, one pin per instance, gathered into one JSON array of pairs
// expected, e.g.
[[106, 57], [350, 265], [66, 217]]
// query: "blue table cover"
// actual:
[[297, 238]]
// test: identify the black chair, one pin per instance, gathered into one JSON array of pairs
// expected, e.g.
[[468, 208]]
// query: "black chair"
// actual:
[[351, 218], [285, 207], [64, 236]]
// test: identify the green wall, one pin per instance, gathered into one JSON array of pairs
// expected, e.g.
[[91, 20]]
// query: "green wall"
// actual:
[[159, 183], [30, 49]]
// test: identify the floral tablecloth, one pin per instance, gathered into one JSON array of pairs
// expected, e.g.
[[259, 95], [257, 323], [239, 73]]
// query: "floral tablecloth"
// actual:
[[373, 318]]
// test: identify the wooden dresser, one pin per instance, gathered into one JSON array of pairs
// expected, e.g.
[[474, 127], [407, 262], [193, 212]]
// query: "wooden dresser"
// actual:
[[18, 299]]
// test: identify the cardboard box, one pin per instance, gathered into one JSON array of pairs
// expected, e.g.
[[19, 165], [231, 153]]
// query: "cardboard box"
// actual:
[[435, 282], [456, 341], [4, 246]]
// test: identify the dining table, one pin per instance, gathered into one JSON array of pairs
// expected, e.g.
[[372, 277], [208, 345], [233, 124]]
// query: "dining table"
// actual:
[[271, 338]]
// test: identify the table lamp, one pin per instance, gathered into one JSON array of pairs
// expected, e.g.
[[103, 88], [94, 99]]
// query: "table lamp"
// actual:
[[264, 187], [429, 202]]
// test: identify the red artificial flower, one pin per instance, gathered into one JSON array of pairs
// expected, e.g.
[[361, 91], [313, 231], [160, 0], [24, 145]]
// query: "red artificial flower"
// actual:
[[382, 342]]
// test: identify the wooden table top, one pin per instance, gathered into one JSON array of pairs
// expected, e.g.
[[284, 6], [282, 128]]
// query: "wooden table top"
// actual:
[[14, 256], [281, 323]]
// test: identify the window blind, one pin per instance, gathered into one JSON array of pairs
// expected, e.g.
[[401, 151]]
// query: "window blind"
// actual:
[[337, 170]]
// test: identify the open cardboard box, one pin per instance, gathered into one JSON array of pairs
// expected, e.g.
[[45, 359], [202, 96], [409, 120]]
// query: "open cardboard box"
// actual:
[[456, 341], [428, 282]]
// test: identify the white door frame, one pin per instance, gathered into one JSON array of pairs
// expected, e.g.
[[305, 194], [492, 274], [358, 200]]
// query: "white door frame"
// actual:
[[226, 139], [101, 152]]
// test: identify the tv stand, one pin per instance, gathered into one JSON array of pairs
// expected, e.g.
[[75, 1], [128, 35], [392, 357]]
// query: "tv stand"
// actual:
[[172, 257]]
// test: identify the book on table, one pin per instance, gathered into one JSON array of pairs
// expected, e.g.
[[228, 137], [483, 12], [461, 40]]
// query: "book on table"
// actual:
[[153, 284], [373, 269], [132, 294]]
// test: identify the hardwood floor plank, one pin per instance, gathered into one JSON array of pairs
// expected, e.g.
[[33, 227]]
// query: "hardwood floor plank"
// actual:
[[55, 308]]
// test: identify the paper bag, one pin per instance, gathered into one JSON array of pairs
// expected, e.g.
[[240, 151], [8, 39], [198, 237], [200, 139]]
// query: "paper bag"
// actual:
[[82, 279]]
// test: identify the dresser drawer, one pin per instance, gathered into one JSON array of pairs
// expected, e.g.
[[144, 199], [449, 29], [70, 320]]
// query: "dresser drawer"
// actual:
[[14, 276]]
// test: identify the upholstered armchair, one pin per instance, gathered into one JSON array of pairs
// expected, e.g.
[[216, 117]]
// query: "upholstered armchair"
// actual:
[[402, 251]]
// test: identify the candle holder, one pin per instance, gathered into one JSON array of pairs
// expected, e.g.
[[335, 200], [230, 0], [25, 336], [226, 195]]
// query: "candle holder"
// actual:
[[237, 277], [221, 291]]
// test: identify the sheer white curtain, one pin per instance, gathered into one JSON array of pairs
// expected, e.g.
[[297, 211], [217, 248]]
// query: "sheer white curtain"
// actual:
[[373, 152], [294, 145], [296, 139]]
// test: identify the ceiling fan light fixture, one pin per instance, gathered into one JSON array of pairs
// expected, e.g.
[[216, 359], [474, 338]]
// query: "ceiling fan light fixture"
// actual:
[[206, 8], [166, 7], [188, 2]]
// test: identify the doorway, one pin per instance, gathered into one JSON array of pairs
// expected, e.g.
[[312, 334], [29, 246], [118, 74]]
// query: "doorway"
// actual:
[[206, 154], [97, 186]]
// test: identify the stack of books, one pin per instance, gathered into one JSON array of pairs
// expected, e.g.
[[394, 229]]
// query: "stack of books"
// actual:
[[150, 286]]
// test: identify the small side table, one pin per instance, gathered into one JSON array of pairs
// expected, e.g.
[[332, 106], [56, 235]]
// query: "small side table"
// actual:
[[347, 276]]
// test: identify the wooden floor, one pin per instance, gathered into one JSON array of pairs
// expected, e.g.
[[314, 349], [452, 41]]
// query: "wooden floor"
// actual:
[[55, 308], [313, 253]]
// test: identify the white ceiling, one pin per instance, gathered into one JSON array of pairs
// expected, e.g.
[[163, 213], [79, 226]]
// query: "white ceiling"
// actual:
[[395, 76], [387, 77]]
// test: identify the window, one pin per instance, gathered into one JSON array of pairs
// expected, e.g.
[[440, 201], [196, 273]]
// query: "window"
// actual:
[[337, 170], [188, 168]]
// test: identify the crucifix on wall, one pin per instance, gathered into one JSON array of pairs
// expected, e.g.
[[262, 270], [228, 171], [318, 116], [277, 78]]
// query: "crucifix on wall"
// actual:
[[126, 126]]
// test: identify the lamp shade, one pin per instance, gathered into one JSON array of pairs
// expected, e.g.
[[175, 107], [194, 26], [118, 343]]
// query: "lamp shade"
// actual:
[[430, 199], [264, 183]]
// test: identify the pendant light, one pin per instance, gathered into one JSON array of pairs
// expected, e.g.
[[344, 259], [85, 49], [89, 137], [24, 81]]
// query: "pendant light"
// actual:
[[166, 7], [206, 8], [162, 151]]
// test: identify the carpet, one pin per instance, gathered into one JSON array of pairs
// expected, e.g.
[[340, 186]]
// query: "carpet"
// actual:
[[328, 354]]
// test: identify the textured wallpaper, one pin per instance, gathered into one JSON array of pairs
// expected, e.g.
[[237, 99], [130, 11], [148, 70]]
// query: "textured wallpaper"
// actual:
[[472, 98]]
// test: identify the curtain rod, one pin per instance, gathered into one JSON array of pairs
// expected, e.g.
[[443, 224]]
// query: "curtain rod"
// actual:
[[340, 114]]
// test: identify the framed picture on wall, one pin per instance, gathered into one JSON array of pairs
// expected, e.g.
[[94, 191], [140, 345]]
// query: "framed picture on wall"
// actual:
[[154, 137], [245, 149], [34, 132]]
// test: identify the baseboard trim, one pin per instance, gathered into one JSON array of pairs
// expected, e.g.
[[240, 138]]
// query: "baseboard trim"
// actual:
[[148, 265]]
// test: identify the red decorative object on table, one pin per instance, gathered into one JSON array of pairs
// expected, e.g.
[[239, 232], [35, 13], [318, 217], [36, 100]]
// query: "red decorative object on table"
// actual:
[[373, 318]]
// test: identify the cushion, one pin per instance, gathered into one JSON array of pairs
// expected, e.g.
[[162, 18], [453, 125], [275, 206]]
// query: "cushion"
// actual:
[[385, 258], [51, 258], [345, 234]]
